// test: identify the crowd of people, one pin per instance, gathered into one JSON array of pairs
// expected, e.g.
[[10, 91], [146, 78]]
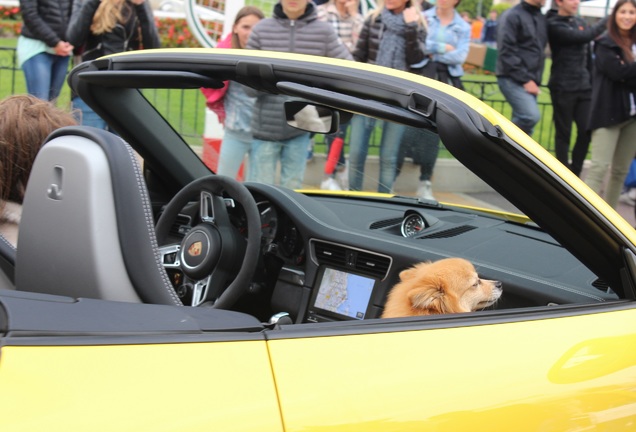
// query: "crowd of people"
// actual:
[[591, 85], [591, 82]]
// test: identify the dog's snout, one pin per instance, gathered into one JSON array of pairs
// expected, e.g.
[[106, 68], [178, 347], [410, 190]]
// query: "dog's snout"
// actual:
[[498, 284]]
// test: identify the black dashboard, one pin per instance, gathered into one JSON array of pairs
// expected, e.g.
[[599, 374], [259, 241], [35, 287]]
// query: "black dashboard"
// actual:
[[328, 258]]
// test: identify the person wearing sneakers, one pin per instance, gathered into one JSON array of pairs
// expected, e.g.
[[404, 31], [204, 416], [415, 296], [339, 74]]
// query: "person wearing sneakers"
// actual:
[[447, 45], [346, 19]]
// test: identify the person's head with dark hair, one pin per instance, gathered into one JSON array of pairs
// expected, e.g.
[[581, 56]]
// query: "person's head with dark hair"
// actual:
[[245, 19], [25, 122], [622, 26]]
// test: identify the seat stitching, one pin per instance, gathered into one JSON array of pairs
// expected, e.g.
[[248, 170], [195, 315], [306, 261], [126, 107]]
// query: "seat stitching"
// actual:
[[150, 225]]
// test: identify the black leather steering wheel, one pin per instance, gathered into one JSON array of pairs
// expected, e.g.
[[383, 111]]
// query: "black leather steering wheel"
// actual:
[[213, 252]]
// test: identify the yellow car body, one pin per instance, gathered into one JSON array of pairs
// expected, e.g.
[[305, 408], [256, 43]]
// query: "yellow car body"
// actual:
[[554, 367]]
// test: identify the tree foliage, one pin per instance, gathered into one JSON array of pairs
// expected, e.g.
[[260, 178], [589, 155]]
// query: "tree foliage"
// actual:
[[475, 7]]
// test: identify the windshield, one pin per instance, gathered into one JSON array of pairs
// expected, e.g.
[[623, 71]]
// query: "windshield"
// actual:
[[363, 154]]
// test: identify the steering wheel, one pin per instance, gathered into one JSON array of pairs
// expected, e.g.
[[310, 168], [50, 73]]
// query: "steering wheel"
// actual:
[[213, 252]]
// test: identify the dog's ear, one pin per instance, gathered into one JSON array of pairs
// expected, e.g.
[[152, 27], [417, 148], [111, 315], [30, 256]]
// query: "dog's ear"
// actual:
[[407, 274], [412, 272], [430, 299]]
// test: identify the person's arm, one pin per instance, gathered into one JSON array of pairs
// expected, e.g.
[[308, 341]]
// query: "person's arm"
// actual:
[[361, 51], [415, 44], [81, 19], [335, 47], [456, 56], [149, 34], [563, 34], [613, 66], [357, 21], [508, 53]]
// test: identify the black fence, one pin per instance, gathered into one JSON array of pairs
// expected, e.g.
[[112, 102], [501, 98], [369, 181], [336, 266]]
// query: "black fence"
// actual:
[[12, 82]]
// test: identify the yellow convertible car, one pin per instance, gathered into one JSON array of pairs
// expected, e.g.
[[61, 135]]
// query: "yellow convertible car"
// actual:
[[148, 293]]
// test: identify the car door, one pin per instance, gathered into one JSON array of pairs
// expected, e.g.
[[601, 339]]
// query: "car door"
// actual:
[[552, 371], [69, 367]]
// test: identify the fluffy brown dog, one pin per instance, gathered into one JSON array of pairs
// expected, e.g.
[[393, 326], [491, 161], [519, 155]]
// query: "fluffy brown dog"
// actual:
[[449, 285]]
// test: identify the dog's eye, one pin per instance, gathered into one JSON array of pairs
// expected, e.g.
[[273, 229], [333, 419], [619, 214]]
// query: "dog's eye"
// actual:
[[476, 284]]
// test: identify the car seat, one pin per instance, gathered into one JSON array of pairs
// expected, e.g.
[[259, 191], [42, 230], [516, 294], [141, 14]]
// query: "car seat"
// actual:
[[87, 228]]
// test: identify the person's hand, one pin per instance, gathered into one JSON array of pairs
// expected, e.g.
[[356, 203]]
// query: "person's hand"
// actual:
[[532, 88], [449, 48], [410, 15], [352, 7], [63, 49]]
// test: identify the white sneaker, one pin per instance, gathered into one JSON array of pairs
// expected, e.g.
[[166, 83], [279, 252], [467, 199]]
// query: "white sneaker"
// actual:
[[425, 190], [342, 176], [626, 198], [330, 184]]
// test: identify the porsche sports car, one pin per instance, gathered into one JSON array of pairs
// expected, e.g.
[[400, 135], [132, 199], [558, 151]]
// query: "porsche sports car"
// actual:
[[147, 293]]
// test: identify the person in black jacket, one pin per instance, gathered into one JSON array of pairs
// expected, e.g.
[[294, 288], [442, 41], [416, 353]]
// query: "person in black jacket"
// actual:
[[393, 35], [522, 36], [570, 79], [613, 114], [102, 27], [43, 51]]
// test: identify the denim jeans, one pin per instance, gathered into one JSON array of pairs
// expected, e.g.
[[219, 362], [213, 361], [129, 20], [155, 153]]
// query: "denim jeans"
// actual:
[[234, 147], [86, 116], [291, 153], [361, 129], [525, 111], [44, 74]]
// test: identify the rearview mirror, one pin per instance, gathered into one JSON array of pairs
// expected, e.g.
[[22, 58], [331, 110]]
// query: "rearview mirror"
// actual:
[[311, 117]]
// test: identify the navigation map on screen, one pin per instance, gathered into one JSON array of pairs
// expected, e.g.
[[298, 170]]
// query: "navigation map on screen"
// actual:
[[344, 293]]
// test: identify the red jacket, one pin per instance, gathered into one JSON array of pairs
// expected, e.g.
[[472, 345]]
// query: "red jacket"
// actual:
[[214, 97]]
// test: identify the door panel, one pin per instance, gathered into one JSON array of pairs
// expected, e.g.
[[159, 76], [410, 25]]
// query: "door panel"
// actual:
[[568, 373], [185, 386]]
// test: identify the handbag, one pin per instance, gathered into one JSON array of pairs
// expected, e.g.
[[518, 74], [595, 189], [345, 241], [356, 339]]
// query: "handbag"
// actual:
[[439, 71]]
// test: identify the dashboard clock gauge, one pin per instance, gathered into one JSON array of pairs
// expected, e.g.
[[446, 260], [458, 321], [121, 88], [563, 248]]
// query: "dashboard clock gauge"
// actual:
[[412, 225]]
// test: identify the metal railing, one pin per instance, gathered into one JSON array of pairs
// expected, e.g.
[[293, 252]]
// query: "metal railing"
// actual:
[[12, 82]]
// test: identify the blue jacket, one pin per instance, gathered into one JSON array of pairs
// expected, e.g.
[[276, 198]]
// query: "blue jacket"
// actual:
[[457, 34]]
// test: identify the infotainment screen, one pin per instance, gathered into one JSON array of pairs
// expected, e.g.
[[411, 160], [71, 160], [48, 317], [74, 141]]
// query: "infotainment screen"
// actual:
[[343, 293]]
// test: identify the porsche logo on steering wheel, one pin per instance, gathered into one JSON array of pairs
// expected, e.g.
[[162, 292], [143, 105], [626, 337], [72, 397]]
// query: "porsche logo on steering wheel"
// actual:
[[195, 249]]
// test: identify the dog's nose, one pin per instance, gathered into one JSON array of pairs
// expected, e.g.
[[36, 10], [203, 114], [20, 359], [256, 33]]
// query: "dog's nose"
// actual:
[[498, 284]]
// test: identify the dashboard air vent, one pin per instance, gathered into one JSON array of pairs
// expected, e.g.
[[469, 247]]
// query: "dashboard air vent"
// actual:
[[327, 253], [601, 285], [449, 232], [386, 223], [181, 226], [372, 264]]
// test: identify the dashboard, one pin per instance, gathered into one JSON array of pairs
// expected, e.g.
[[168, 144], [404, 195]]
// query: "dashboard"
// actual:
[[327, 258]]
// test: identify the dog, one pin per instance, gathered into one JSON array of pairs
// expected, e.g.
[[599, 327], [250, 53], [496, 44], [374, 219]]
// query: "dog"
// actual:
[[449, 285]]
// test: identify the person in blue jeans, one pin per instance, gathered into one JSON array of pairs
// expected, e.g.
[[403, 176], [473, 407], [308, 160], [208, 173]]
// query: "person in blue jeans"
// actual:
[[231, 104], [522, 36], [447, 44], [293, 27], [43, 51], [393, 35], [361, 130]]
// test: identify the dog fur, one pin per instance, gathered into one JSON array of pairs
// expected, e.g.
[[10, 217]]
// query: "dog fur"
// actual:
[[449, 285]]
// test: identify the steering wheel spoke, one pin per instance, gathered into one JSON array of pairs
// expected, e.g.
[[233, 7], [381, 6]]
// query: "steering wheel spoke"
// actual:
[[170, 256]]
